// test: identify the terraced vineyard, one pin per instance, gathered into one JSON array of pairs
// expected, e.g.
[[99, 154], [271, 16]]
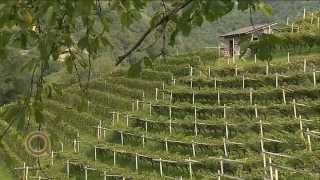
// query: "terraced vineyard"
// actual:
[[187, 118]]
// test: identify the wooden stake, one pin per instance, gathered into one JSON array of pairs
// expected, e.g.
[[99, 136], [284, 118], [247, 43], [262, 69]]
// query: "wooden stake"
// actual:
[[225, 147], [218, 97], [160, 164], [209, 71], [294, 108], [267, 68], [277, 80], [236, 70], [304, 65], [250, 94], [171, 96], [288, 57], [287, 21], [292, 28], [312, 18], [314, 78], [150, 109], [256, 111], [226, 130], [221, 165], [137, 167], [114, 158], [195, 122], [156, 94], [301, 128], [193, 98], [95, 153], [170, 119], [270, 168], [146, 126], [68, 168], [166, 144], [284, 96], [304, 13], [276, 174], [121, 136], [309, 140], [143, 141], [127, 120], [193, 149], [191, 84], [190, 168], [242, 81], [191, 71], [224, 111]]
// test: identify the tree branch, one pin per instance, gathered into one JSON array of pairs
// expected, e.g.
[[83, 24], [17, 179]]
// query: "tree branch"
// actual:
[[164, 19]]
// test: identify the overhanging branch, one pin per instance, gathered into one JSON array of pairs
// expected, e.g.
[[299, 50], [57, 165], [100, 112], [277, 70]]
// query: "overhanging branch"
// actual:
[[164, 19]]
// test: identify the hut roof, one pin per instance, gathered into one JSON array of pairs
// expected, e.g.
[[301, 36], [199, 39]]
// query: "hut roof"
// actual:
[[248, 30]]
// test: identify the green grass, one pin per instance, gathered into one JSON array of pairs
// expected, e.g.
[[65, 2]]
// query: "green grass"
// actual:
[[4, 172]]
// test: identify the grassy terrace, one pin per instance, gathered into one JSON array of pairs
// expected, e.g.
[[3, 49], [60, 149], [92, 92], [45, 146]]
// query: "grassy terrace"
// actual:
[[187, 132]]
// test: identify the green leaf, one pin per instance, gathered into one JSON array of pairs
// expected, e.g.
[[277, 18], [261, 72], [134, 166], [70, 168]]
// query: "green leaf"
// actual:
[[155, 18], [265, 8], [50, 16], [147, 62], [135, 70], [83, 43], [69, 62]]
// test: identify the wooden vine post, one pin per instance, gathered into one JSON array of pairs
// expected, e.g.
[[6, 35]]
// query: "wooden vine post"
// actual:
[[262, 148], [190, 161], [288, 58], [209, 72], [267, 68], [314, 78], [52, 157], [86, 168], [163, 89], [301, 128], [170, 119], [150, 109], [236, 70], [218, 97], [304, 65], [243, 82], [225, 147], [256, 111], [284, 96], [294, 108], [277, 80], [156, 94], [195, 121], [251, 96], [136, 162], [270, 168], [309, 140]]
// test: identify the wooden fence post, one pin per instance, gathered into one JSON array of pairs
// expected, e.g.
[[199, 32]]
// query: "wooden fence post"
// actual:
[[250, 94], [284, 96], [195, 121], [309, 140]]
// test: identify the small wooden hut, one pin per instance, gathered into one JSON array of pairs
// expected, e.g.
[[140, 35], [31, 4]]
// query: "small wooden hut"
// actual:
[[231, 40]]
